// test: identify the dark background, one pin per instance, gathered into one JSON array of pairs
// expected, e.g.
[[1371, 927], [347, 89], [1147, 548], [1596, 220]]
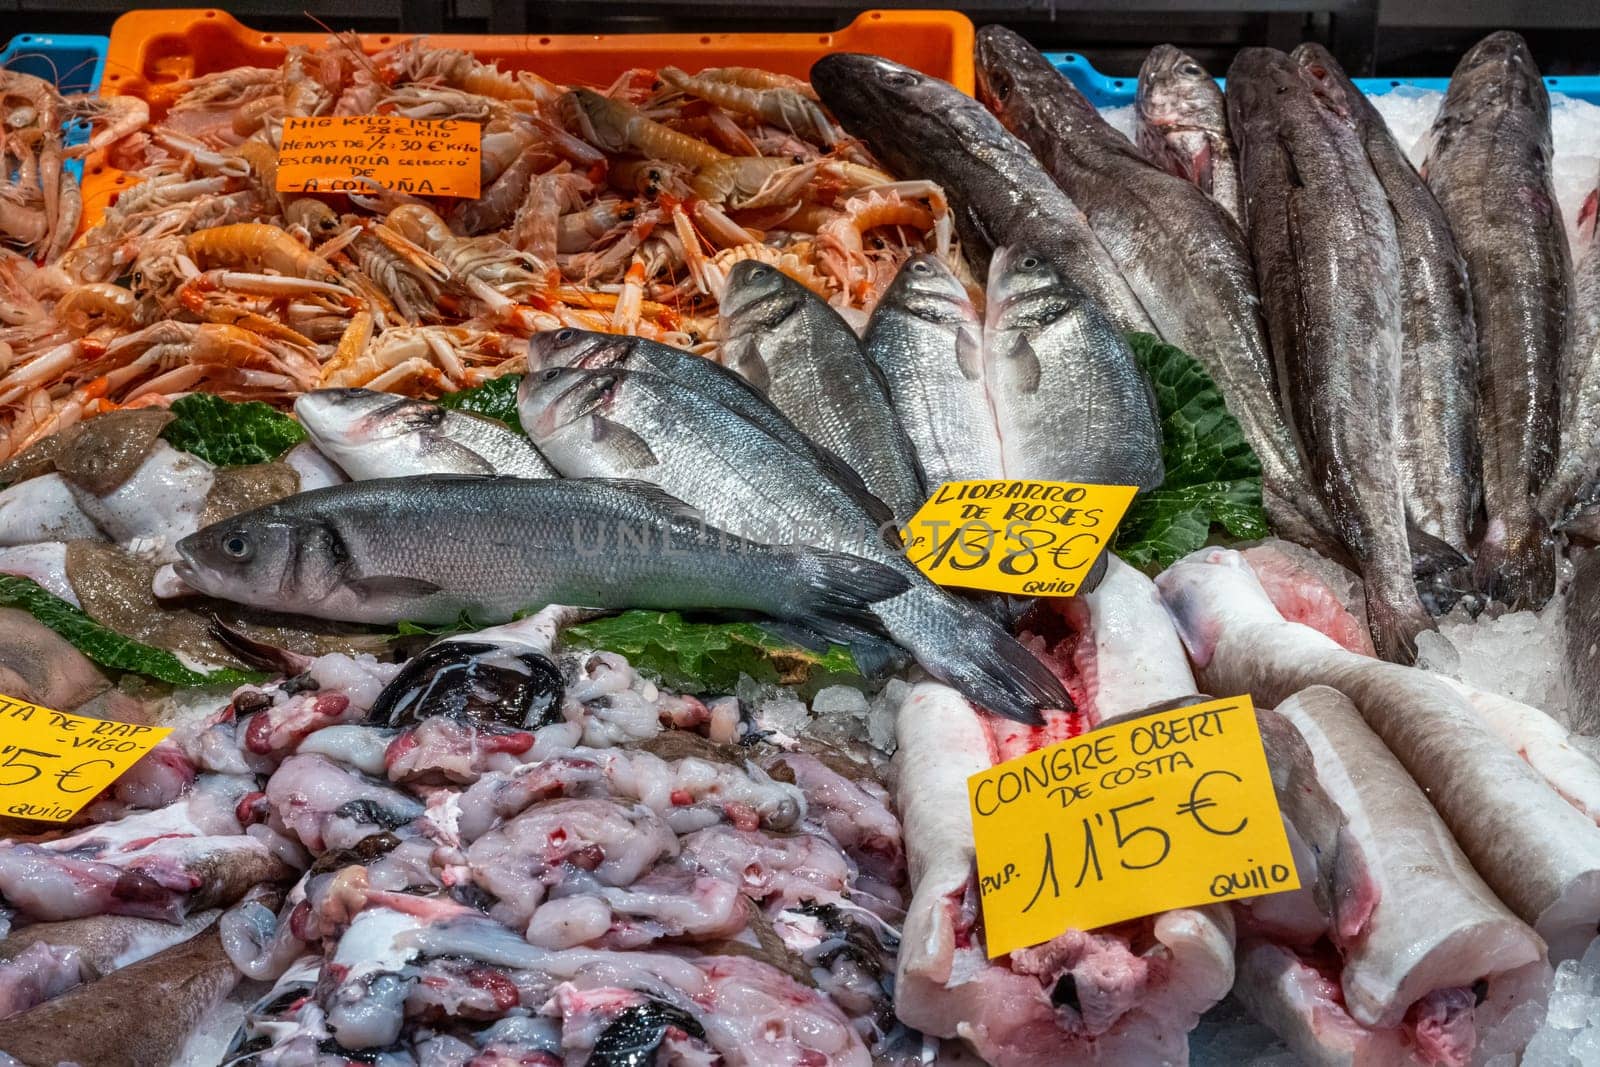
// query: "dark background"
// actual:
[[1393, 37]]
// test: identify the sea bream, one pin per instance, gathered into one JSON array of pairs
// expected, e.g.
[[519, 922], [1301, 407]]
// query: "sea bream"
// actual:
[[790, 344], [921, 127], [433, 547], [1327, 261], [1539, 854], [379, 435], [1414, 929], [627, 423], [926, 338], [1183, 126], [1488, 162], [1437, 448]]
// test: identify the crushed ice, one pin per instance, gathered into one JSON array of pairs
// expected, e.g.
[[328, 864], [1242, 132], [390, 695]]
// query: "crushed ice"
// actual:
[[1570, 1034]]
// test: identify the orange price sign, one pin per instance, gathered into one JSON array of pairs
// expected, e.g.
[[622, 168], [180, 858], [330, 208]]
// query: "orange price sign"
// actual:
[[362, 153]]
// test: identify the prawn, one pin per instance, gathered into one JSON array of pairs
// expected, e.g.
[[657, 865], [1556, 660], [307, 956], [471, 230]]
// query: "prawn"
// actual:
[[256, 246], [618, 127], [782, 107]]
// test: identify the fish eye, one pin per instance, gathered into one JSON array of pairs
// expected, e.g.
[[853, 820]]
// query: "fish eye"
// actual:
[[237, 546], [760, 270], [566, 336], [138, 278], [1191, 70], [550, 374], [1002, 90], [920, 267], [899, 78], [1029, 262]]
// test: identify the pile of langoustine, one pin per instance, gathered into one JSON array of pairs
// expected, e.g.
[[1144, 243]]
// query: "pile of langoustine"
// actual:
[[618, 209]]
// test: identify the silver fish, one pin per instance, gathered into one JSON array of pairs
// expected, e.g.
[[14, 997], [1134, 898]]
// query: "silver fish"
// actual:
[[1328, 264], [1583, 643], [922, 127], [1183, 126], [1574, 486], [926, 339], [1489, 165], [1437, 448], [786, 341], [639, 425], [430, 548], [379, 435], [1071, 403]]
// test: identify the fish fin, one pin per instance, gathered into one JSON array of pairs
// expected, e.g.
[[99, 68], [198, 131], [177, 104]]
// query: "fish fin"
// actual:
[[1431, 555], [833, 593], [1586, 215], [462, 459], [840, 473], [629, 446], [1030, 371], [392, 585], [873, 655], [655, 495], [743, 356], [1518, 570], [969, 352], [257, 654], [1395, 622]]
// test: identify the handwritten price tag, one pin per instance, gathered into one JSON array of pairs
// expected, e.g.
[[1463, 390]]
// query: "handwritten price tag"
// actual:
[[1007, 536], [52, 763], [1167, 811], [357, 153]]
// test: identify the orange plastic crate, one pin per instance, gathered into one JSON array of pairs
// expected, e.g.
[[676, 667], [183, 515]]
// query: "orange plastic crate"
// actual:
[[151, 51]]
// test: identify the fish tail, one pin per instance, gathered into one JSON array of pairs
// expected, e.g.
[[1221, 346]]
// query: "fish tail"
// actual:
[[1516, 564], [1396, 617], [969, 652], [833, 593]]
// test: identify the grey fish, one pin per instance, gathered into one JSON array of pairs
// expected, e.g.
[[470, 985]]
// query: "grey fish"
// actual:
[[429, 548], [1440, 471], [1328, 263], [1183, 126], [921, 127], [1183, 256], [1071, 403], [639, 425], [1489, 165], [1576, 482], [786, 341], [136, 1017], [106, 943], [926, 339], [379, 435], [1583, 643], [597, 351]]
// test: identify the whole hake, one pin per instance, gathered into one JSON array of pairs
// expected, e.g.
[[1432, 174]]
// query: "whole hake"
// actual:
[[1184, 257], [1489, 164], [1183, 126], [922, 127], [1328, 263], [1576, 482], [786, 341], [431, 548], [1438, 444]]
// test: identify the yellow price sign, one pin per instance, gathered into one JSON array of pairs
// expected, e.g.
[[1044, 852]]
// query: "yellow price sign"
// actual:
[[1011, 536], [362, 153], [52, 763], [1166, 811]]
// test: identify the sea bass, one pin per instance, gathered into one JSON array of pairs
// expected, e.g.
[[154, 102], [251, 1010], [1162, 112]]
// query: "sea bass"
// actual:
[[1186, 260], [431, 548], [379, 435], [926, 339], [620, 423], [1183, 126], [1489, 164], [1437, 447], [1327, 260], [786, 341], [921, 127], [1071, 403]]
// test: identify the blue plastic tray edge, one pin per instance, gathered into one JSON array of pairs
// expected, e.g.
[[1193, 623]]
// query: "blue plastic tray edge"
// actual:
[[1103, 90], [64, 52]]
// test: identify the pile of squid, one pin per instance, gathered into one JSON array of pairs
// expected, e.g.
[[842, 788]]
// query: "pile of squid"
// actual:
[[618, 210], [500, 852]]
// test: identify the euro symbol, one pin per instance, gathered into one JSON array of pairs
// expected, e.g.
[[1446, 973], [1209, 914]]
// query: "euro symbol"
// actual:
[[63, 777], [1197, 803]]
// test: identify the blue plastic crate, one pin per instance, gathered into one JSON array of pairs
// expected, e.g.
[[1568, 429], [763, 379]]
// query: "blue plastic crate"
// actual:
[[1104, 91], [73, 63]]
